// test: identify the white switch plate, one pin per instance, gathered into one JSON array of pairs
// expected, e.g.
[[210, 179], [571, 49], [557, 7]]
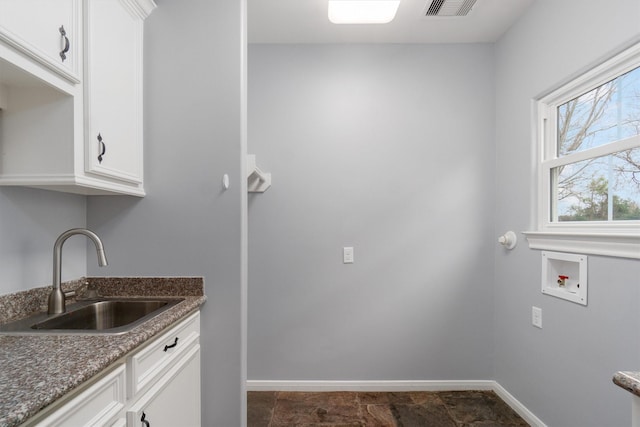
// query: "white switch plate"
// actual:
[[536, 317], [347, 255]]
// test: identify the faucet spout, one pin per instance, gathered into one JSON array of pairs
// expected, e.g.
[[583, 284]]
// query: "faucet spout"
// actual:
[[56, 298]]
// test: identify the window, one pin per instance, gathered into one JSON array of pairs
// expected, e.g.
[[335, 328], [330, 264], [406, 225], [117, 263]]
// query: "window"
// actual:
[[588, 133]]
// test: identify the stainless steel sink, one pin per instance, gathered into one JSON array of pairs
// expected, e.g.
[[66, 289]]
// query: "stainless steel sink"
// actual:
[[107, 316]]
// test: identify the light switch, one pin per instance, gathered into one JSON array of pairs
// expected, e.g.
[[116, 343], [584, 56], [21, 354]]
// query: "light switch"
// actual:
[[536, 317], [347, 255]]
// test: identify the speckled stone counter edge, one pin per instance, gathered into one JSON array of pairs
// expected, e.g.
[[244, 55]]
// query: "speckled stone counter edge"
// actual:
[[628, 380], [25, 303], [39, 369]]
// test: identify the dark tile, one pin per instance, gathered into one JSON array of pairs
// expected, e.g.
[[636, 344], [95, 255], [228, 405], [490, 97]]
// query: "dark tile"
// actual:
[[425, 398], [260, 408], [401, 397], [421, 415], [377, 415], [490, 424], [482, 408], [356, 424], [372, 398], [379, 409], [324, 398], [320, 409], [414, 397]]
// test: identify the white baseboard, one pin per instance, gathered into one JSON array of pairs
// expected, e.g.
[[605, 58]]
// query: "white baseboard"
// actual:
[[310, 386], [517, 406], [368, 385]]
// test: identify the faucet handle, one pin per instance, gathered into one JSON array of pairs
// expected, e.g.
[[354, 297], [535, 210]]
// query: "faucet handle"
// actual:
[[90, 292]]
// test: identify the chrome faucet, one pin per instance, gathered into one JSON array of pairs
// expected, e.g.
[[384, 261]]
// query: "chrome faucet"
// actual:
[[57, 298]]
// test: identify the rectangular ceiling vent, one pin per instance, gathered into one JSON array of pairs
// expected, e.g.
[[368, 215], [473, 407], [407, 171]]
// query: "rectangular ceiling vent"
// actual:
[[449, 7]]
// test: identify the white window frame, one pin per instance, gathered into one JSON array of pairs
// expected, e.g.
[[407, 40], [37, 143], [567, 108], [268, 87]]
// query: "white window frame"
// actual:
[[609, 238]]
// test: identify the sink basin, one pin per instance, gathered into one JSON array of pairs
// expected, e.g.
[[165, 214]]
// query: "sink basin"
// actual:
[[102, 315], [111, 316]]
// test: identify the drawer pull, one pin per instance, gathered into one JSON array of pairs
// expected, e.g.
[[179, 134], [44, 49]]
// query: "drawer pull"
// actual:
[[175, 343], [144, 421], [101, 147], [65, 39]]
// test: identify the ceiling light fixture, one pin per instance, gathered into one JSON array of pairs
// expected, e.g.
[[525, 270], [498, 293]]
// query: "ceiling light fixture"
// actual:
[[362, 11]]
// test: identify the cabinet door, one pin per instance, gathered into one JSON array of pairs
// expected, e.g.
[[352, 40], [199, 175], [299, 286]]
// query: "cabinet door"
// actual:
[[174, 400], [97, 406], [113, 90], [46, 30]]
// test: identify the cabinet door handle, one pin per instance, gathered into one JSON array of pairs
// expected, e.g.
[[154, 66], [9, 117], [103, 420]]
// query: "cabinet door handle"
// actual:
[[102, 148], [175, 343], [144, 421], [65, 39]]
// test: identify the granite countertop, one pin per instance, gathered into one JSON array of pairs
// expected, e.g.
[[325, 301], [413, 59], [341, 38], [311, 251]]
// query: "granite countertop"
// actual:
[[628, 380], [36, 370]]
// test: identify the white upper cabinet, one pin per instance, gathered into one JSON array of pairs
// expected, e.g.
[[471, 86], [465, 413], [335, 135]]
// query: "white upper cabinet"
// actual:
[[113, 89], [48, 31], [59, 133]]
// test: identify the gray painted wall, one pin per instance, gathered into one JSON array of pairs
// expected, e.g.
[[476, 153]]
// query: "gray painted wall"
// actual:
[[187, 225], [422, 300], [389, 149], [30, 222], [562, 372]]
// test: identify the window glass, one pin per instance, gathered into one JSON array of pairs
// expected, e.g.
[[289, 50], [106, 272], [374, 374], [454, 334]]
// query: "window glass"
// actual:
[[608, 113], [605, 188]]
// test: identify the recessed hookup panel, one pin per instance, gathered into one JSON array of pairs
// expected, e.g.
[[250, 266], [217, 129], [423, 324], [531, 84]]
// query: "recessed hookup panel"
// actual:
[[565, 276]]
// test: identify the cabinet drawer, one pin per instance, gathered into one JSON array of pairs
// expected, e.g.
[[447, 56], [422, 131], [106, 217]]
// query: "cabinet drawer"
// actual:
[[173, 400], [147, 364], [98, 405]]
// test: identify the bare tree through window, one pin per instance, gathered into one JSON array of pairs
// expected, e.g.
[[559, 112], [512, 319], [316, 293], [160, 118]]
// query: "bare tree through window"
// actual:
[[605, 188]]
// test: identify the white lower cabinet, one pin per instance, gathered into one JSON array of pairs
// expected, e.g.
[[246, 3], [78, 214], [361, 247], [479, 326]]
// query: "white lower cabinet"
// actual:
[[174, 400], [169, 394], [163, 379], [99, 405], [635, 411], [148, 364]]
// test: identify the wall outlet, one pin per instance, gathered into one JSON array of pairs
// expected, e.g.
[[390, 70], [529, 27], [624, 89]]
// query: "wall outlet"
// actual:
[[536, 317], [347, 255]]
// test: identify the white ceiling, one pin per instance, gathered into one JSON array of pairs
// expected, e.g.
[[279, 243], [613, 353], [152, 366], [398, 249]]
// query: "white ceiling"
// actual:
[[305, 21]]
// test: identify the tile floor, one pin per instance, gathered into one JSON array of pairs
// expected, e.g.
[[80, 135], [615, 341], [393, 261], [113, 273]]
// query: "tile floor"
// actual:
[[397, 409]]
